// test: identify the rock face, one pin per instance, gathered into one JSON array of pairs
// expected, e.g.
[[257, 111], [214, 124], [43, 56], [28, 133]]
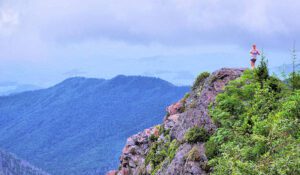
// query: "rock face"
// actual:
[[191, 111], [10, 165]]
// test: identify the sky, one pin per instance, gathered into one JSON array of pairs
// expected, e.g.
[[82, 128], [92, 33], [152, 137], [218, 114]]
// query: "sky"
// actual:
[[45, 42]]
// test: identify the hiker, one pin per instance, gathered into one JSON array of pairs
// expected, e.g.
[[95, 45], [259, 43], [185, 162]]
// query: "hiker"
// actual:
[[253, 52]]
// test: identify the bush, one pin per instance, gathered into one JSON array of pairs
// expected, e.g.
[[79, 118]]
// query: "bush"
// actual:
[[172, 149], [161, 151], [259, 128], [211, 149], [153, 138], [196, 134], [261, 72], [200, 79]]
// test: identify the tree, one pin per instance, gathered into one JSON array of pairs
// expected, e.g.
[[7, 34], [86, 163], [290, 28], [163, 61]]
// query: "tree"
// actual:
[[261, 72], [294, 79]]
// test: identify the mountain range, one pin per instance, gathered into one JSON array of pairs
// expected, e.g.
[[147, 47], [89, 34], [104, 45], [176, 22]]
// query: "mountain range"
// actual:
[[8, 88], [11, 165], [80, 125]]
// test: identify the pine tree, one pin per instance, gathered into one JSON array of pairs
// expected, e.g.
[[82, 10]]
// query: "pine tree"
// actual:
[[261, 72], [294, 79]]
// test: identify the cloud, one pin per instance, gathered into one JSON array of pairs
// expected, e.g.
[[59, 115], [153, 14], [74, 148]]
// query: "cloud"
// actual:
[[74, 72], [49, 37], [9, 20], [169, 22]]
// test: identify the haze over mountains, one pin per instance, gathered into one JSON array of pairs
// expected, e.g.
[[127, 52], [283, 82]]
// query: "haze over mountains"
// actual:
[[80, 125], [11, 165], [8, 88]]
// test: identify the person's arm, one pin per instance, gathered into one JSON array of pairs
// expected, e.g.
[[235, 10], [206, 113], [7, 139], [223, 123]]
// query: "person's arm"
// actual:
[[258, 52]]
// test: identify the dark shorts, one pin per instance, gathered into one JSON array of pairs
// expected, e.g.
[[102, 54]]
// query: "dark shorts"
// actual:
[[253, 60]]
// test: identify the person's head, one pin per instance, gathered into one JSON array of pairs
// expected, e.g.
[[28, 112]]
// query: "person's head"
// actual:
[[254, 46]]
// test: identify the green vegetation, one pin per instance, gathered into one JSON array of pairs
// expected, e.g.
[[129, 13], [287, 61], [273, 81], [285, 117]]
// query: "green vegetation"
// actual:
[[163, 130], [153, 138], [186, 96], [194, 155], [258, 127], [196, 134], [160, 151], [200, 79]]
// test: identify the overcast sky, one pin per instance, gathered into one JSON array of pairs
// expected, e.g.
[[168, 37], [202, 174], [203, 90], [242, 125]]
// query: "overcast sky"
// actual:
[[45, 41]]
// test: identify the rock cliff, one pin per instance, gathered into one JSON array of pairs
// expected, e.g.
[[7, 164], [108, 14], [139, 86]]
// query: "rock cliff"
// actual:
[[163, 149]]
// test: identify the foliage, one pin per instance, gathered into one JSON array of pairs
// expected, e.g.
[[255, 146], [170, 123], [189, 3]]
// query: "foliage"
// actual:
[[196, 134], [186, 96], [153, 138], [294, 76], [294, 80], [160, 151], [261, 72], [163, 130], [200, 79], [258, 127]]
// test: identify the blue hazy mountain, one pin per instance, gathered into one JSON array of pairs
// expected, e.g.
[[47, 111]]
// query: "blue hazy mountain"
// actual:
[[77, 126], [7, 88], [11, 165], [285, 69]]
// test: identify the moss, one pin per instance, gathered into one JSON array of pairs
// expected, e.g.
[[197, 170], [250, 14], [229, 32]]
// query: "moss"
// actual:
[[194, 155], [196, 134], [200, 80]]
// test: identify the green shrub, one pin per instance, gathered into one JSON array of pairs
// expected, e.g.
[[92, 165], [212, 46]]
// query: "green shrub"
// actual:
[[211, 149], [172, 149], [262, 72], [258, 127], [153, 138], [200, 79], [161, 151], [196, 134]]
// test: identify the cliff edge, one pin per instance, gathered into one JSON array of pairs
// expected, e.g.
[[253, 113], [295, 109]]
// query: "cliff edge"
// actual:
[[169, 148]]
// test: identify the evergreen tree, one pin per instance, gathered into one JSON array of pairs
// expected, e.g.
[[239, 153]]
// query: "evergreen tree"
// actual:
[[294, 79], [261, 72]]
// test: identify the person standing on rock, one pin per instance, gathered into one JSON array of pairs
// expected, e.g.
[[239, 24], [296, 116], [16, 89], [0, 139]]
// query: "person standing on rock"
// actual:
[[253, 52]]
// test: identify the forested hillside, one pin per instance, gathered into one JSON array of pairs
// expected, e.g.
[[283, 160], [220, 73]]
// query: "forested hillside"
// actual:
[[73, 127]]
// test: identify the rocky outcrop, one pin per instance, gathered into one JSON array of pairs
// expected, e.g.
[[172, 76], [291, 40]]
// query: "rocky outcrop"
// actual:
[[191, 111], [10, 165]]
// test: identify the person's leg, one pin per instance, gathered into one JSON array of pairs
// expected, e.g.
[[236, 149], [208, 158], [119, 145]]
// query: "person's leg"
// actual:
[[252, 64]]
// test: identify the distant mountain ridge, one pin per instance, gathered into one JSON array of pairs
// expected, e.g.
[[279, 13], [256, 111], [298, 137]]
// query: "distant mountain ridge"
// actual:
[[11, 165], [285, 68], [8, 88], [76, 125]]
